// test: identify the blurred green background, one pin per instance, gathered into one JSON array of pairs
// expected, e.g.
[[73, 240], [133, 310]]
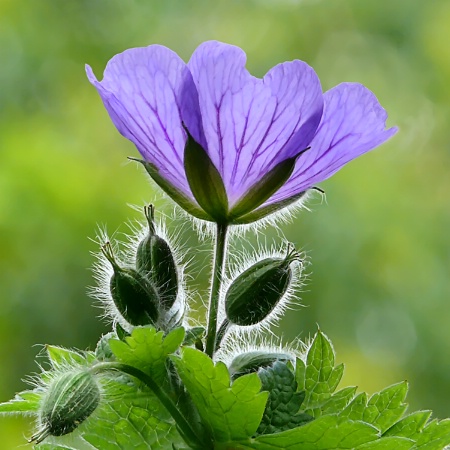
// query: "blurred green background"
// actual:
[[379, 245]]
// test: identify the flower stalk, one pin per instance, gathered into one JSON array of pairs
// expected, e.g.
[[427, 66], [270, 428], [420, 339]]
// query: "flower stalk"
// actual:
[[219, 259]]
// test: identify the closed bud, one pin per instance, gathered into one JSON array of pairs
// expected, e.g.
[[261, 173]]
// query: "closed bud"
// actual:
[[154, 259], [253, 361], [254, 294], [103, 350], [135, 297], [71, 398]]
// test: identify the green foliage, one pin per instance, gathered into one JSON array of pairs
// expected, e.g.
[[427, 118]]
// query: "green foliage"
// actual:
[[284, 401], [147, 350], [319, 378], [133, 417], [280, 407], [230, 411], [325, 433], [26, 402]]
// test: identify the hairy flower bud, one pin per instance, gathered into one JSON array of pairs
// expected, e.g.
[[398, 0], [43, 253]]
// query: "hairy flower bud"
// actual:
[[253, 361], [254, 294], [154, 259], [134, 296], [71, 398], [103, 350]]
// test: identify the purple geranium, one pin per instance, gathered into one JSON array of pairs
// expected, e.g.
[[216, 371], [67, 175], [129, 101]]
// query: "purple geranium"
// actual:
[[259, 144]]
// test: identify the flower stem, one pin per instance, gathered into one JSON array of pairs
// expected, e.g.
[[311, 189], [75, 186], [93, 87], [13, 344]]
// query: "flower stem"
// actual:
[[184, 427], [219, 258]]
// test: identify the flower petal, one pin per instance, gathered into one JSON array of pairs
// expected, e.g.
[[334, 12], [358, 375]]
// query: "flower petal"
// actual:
[[353, 123], [148, 92], [248, 122]]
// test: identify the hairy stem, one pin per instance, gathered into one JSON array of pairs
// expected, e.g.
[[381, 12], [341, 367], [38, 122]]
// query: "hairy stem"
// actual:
[[219, 258], [221, 333], [184, 427]]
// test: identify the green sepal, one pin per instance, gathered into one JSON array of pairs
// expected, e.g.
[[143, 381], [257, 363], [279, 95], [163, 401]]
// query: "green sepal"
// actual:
[[205, 181], [264, 188], [282, 408], [175, 194], [264, 211]]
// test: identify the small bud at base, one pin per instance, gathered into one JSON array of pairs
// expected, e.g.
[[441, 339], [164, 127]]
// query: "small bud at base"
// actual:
[[71, 398]]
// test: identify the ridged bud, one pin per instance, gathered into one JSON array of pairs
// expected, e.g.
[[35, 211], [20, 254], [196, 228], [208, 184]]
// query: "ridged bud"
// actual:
[[254, 294], [70, 399], [154, 259], [253, 361], [103, 350], [135, 297]]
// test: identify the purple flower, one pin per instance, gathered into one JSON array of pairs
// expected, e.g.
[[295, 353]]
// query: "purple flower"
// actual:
[[256, 145]]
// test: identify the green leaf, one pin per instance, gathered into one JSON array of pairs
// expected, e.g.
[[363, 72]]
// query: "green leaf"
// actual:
[[338, 401], [300, 373], [435, 436], [284, 401], [264, 188], [230, 411], [264, 211], [147, 350], [386, 407], [175, 194], [321, 377], [60, 356], [355, 409], [410, 426], [26, 402], [324, 433], [388, 443], [52, 447], [131, 417], [205, 181], [194, 336], [382, 410]]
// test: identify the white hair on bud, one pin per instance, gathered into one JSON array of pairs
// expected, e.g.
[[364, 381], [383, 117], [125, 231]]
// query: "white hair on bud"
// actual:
[[238, 344], [139, 230], [240, 262], [125, 254], [102, 273], [67, 361]]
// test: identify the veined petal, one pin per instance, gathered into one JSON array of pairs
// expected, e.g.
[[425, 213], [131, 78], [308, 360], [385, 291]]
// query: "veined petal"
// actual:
[[148, 93], [249, 123], [353, 123]]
